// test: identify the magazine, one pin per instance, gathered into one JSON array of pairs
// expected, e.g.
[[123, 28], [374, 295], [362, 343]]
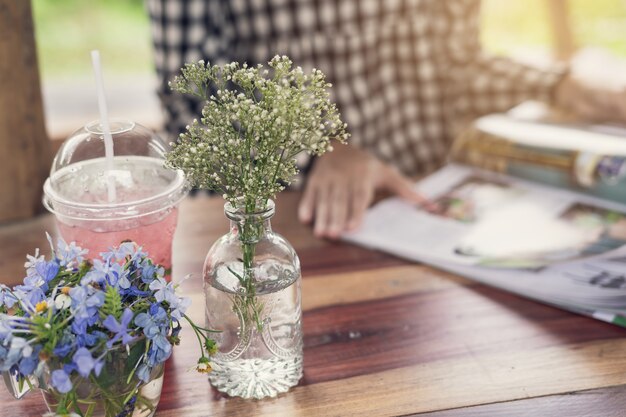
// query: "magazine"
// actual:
[[553, 245], [528, 143]]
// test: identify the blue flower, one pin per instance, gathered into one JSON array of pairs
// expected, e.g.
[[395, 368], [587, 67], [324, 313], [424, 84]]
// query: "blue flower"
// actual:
[[155, 326], [97, 274], [160, 350], [85, 301], [29, 296], [85, 363], [143, 372], [167, 292], [6, 298], [37, 267], [60, 380], [5, 327], [35, 284], [44, 270], [120, 329], [154, 322], [69, 254], [105, 272], [133, 291], [32, 260], [164, 291], [83, 338], [47, 270], [79, 327], [65, 343], [123, 282], [28, 364], [150, 272], [63, 350], [124, 251], [19, 348], [180, 308]]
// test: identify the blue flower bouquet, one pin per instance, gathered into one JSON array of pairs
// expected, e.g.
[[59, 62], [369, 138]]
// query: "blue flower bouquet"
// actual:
[[93, 335]]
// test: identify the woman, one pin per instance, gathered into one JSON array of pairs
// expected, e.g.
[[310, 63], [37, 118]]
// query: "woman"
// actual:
[[407, 74]]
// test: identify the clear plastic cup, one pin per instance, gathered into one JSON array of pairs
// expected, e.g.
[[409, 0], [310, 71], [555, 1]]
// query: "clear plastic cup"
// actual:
[[145, 209]]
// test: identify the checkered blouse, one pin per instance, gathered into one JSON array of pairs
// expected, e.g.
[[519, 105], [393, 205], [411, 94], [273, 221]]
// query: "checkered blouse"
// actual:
[[405, 72]]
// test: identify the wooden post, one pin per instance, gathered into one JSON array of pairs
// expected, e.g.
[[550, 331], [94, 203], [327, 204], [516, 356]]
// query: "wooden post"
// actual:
[[24, 145], [560, 25]]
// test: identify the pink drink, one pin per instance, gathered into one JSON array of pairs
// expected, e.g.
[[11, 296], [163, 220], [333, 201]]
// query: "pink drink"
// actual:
[[144, 211], [155, 238]]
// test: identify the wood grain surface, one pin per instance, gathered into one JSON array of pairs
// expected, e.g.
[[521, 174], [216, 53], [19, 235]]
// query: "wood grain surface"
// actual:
[[384, 337], [24, 145]]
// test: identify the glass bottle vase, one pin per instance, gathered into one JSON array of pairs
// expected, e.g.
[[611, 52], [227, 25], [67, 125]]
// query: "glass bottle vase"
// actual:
[[253, 297]]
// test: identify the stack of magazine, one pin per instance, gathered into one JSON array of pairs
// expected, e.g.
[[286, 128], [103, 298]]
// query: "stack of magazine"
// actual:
[[534, 208]]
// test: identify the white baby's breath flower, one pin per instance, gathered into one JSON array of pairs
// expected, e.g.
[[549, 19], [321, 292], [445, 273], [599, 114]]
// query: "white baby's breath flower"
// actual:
[[255, 121]]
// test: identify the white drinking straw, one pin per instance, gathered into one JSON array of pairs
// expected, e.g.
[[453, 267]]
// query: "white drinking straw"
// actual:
[[104, 122]]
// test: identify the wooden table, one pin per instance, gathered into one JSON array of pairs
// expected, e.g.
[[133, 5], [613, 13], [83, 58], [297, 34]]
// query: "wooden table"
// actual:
[[384, 337]]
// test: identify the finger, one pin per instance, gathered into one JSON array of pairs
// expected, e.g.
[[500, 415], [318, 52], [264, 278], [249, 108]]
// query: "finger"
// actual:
[[322, 211], [403, 187], [307, 203], [338, 209], [362, 196]]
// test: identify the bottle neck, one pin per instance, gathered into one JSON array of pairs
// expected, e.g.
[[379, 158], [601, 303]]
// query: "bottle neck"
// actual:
[[250, 231], [250, 227]]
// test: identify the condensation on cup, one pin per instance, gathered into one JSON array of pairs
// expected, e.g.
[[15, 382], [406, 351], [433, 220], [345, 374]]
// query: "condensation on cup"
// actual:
[[144, 208]]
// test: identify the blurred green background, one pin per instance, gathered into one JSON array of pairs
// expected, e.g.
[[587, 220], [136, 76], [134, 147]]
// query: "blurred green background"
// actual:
[[516, 24], [68, 29]]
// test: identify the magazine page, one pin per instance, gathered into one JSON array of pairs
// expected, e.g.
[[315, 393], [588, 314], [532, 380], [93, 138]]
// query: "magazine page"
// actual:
[[546, 243]]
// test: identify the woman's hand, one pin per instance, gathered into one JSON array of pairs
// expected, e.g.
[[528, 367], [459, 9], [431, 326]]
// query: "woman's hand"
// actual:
[[591, 104], [341, 187]]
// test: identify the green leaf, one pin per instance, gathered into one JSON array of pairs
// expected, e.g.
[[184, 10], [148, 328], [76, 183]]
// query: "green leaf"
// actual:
[[112, 304]]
